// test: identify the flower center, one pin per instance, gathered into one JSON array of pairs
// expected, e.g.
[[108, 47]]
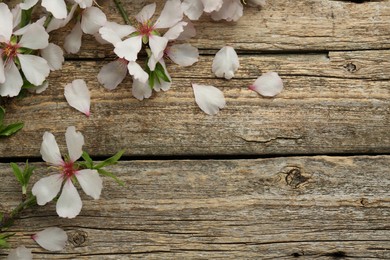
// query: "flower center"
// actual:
[[10, 51], [68, 169], [145, 29]]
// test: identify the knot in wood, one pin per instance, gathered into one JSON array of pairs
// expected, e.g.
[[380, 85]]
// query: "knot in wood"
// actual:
[[78, 238], [350, 67], [294, 177]]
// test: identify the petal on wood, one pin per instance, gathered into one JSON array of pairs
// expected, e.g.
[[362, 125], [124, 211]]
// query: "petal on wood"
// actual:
[[20, 253], [78, 96], [72, 41], [225, 63], [183, 54], [209, 98], [141, 90], [269, 84], [52, 238]]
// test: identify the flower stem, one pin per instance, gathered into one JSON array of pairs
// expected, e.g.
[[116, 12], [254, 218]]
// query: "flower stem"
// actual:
[[122, 11], [8, 219]]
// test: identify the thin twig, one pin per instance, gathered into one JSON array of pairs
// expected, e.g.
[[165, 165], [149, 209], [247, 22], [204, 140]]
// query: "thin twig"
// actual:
[[122, 11], [8, 219]]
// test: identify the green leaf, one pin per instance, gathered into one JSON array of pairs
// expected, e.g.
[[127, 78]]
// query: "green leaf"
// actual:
[[18, 173], [88, 161], [11, 129], [2, 113], [27, 172], [111, 175], [110, 161], [26, 17], [160, 72]]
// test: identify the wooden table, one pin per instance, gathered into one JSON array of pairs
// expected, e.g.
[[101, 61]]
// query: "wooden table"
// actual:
[[303, 175]]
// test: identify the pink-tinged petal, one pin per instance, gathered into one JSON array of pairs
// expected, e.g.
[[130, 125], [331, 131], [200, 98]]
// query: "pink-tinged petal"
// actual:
[[84, 3], [90, 182], [174, 32], [212, 5], [47, 188], [35, 37], [146, 13], [2, 75], [78, 96], [225, 63], [157, 45], [163, 85], [129, 48], [13, 81], [74, 142], [92, 20], [141, 90], [231, 10], [56, 7], [54, 56], [6, 24], [69, 204], [193, 9], [137, 72], [209, 98], [188, 32], [50, 151], [269, 84], [72, 42], [170, 15], [34, 68], [112, 74], [20, 253], [52, 238], [59, 23], [183, 54], [113, 32]]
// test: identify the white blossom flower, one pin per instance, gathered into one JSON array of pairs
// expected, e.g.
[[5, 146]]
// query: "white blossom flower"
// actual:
[[193, 9], [269, 84], [52, 238], [225, 63], [13, 45], [56, 7], [209, 98], [20, 253], [46, 189], [231, 10], [78, 96]]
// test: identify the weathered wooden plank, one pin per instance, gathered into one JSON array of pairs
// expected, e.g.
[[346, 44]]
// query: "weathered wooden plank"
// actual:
[[324, 109], [282, 25], [263, 209]]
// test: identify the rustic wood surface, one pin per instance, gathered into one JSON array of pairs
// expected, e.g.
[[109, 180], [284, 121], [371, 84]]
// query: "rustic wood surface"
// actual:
[[281, 208], [334, 59]]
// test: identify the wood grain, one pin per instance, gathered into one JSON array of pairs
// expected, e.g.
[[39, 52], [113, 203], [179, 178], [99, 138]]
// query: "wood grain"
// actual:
[[324, 108], [281, 208]]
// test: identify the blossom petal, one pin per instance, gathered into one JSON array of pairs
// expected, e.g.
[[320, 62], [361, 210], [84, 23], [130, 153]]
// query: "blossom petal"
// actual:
[[74, 142], [17, 14], [49, 150], [54, 56], [52, 238], [6, 25], [212, 5], [84, 3], [193, 9], [183, 54], [47, 188], [92, 20], [2, 75], [146, 13], [56, 7], [58, 23], [174, 32], [225, 63], [161, 84], [41, 88], [69, 204], [269, 84], [137, 72], [35, 37], [27, 4], [113, 32], [189, 32], [152, 62], [231, 10], [78, 96], [20, 253], [209, 98], [72, 41], [141, 90], [170, 15], [34, 68], [157, 45], [112, 74], [129, 48], [13, 81], [90, 182]]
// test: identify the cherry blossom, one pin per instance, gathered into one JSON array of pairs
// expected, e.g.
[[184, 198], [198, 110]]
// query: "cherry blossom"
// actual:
[[46, 189], [52, 238], [78, 96], [225, 63], [14, 50], [269, 84], [20, 253], [209, 98]]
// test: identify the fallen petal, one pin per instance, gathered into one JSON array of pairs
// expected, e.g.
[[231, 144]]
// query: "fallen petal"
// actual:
[[269, 84], [225, 63], [78, 96], [52, 238], [209, 98], [20, 253]]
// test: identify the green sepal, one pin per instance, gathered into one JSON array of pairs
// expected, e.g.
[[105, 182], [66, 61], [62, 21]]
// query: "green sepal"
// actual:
[[160, 72], [88, 161], [111, 175], [110, 161], [10, 129]]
